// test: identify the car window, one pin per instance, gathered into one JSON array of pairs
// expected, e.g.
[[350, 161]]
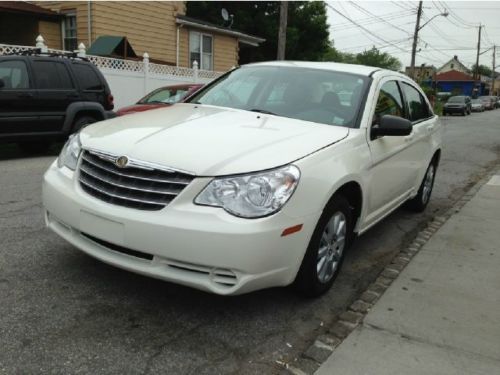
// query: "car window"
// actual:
[[87, 78], [416, 103], [14, 74], [169, 96], [51, 75], [389, 102], [322, 96]]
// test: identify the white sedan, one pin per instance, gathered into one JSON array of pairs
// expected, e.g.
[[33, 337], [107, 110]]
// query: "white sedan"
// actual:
[[261, 180]]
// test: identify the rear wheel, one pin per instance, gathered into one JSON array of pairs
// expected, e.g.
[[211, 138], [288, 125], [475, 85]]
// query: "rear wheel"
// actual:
[[419, 203], [325, 253]]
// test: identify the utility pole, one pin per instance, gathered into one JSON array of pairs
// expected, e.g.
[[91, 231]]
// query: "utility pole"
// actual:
[[476, 71], [282, 30], [493, 75], [415, 40]]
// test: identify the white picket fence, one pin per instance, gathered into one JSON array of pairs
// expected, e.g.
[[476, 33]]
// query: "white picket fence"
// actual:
[[129, 80]]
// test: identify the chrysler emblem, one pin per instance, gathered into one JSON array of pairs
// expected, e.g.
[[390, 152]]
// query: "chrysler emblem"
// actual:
[[121, 162]]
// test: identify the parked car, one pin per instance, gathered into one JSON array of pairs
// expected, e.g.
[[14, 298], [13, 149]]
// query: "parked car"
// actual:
[[261, 179], [477, 105], [488, 102], [162, 97], [458, 104], [44, 98]]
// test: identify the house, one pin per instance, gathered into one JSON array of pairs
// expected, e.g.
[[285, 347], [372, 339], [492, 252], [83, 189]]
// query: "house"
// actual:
[[458, 83], [21, 22], [159, 28], [453, 64], [422, 73]]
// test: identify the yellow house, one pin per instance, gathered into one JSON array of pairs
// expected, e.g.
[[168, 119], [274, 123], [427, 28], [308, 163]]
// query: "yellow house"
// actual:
[[159, 28]]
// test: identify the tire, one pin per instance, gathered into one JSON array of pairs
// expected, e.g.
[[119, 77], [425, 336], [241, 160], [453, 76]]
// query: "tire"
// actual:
[[464, 112], [333, 238], [421, 200], [82, 122]]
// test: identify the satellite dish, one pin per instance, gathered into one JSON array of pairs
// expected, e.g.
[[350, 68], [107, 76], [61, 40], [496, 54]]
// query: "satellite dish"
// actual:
[[225, 14]]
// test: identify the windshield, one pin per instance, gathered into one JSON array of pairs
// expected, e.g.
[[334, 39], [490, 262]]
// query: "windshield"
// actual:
[[485, 98], [476, 101], [165, 95], [322, 96], [456, 99]]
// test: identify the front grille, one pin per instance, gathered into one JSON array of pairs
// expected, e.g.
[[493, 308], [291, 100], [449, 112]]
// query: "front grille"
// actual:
[[135, 187]]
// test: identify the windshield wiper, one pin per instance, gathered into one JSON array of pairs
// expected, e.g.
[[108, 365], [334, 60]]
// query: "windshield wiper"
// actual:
[[262, 111]]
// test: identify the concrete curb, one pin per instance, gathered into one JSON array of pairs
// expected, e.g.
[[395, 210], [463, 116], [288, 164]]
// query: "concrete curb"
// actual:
[[324, 345]]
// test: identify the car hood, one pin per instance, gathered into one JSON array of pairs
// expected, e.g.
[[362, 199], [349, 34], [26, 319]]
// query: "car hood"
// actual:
[[208, 140], [140, 108]]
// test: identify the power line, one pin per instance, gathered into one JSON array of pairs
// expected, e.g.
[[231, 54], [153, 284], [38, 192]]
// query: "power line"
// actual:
[[381, 19], [363, 28]]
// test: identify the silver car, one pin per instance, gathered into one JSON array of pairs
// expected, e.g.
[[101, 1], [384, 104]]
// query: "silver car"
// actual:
[[477, 105]]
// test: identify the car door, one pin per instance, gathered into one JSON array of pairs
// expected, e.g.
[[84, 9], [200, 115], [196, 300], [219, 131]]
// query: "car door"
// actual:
[[56, 91], [391, 173], [18, 114], [424, 124]]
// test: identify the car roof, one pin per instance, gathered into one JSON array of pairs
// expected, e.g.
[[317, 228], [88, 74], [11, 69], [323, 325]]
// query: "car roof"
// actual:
[[338, 67]]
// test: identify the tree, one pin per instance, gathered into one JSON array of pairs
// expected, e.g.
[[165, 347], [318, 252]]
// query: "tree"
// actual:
[[371, 57], [483, 70], [307, 28], [375, 57]]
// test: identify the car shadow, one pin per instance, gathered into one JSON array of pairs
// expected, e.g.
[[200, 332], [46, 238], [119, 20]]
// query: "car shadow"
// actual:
[[10, 151]]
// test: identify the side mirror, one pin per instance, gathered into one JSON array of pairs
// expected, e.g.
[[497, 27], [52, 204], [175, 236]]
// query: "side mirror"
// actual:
[[391, 126], [2, 83]]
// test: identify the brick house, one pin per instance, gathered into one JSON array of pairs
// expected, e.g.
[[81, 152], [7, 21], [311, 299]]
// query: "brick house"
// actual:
[[159, 28]]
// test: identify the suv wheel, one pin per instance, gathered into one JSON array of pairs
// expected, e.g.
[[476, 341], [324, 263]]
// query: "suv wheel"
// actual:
[[82, 122], [325, 253], [419, 203]]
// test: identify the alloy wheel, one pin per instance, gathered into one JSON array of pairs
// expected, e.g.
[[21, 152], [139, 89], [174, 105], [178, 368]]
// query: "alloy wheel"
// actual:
[[331, 247], [429, 180]]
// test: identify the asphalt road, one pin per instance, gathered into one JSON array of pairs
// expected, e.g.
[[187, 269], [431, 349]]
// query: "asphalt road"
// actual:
[[64, 312]]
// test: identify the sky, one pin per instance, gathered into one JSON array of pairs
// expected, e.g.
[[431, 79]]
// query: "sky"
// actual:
[[389, 26]]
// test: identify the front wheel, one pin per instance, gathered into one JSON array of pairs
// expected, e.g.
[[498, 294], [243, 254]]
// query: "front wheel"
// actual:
[[419, 203], [325, 253]]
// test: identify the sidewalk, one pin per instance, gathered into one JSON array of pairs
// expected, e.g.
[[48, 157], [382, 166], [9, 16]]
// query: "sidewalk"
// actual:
[[442, 314]]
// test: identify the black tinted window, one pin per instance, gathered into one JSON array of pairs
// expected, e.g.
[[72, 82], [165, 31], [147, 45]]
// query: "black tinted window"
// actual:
[[389, 102], [87, 78], [51, 75], [14, 75], [416, 103]]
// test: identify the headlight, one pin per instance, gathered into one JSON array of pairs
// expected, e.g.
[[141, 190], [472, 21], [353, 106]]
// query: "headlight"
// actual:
[[70, 152], [253, 195]]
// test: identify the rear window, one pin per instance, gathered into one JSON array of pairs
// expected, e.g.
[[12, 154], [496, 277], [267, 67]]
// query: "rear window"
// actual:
[[87, 78]]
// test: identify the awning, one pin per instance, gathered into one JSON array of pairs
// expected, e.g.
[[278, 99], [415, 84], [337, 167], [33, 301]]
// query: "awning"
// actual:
[[111, 46]]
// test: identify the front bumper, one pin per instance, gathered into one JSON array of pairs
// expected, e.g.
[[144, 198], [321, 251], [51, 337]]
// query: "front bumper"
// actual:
[[454, 109], [201, 247]]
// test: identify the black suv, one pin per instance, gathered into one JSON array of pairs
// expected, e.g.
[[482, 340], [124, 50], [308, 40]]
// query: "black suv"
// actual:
[[458, 104], [46, 97]]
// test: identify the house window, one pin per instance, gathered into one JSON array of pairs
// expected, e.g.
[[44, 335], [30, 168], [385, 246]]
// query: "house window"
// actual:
[[201, 50], [452, 65], [69, 32]]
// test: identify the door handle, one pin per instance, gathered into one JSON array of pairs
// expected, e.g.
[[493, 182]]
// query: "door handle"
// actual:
[[25, 95], [72, 95], [409, 138], [430, 128]]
